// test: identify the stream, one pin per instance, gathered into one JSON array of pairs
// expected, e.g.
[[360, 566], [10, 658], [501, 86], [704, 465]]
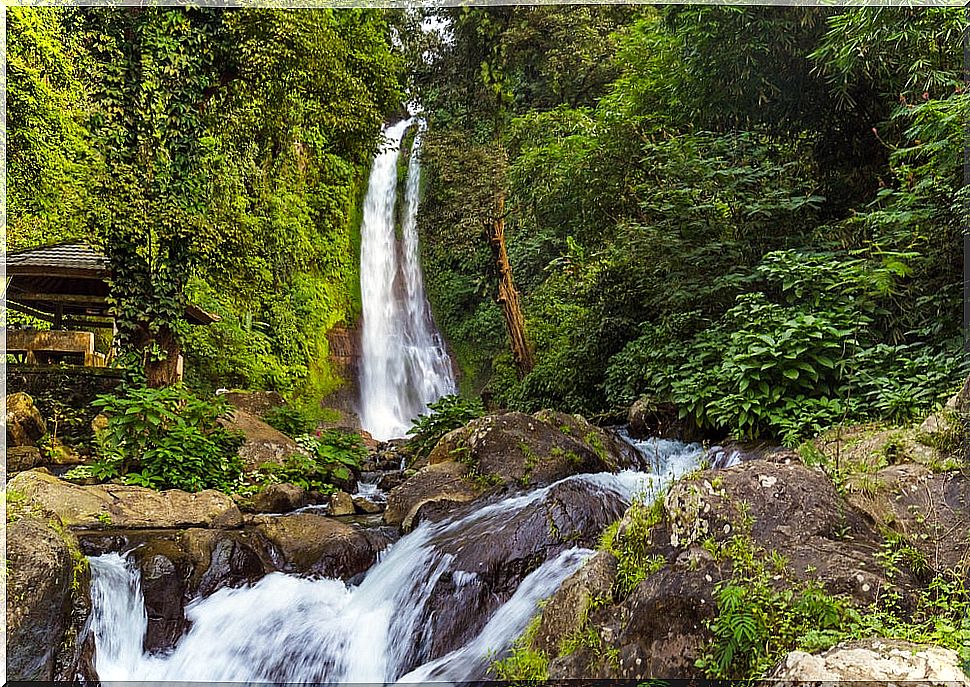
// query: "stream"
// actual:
[[287, 628]]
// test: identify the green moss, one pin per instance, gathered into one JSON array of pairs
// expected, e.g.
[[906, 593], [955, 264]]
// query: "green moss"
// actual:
[[597, 445], [80, 565], [632, 547], [524, 663]]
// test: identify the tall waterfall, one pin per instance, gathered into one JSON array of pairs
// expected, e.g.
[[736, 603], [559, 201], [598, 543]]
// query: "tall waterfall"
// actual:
[[404, 365], [290, 629]]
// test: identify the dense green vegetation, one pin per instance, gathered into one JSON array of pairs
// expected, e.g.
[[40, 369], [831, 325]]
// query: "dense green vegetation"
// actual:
[[764, 232], [218, 156], [165, 438]]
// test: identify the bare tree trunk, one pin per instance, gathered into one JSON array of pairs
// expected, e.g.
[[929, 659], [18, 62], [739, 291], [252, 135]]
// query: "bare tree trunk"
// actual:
[[508, 295]]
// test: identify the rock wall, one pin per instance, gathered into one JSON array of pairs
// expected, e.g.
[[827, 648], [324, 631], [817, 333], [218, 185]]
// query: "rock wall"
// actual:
[[345, 356]]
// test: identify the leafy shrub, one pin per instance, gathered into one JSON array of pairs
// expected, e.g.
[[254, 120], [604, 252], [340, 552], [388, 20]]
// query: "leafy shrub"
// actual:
[[334, 457], [447, 413], [291, 420], [166, 439], [793, 358]]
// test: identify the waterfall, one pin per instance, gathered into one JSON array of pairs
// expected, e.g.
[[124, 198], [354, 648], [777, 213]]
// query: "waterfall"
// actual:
[[404, 364], [286, 628]]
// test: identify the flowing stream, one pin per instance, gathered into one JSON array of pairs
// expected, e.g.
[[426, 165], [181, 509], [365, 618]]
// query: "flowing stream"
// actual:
[[404, 364], [286, 628]]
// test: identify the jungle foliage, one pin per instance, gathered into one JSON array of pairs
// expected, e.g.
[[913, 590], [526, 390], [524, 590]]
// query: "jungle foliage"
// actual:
[[217, 156], [752, 213]]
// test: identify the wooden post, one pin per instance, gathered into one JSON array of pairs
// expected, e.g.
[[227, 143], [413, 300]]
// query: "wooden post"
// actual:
[[508, 295]]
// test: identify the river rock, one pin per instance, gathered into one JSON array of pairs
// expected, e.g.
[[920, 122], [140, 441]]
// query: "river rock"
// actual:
[[164, 568], [25, 424], [365, 506], [442, 483], [20, 458], [874, 661], [341, 503], [126, 507], [492, 555], [261, 442], [47, 599], [277, 498], [313, 544]]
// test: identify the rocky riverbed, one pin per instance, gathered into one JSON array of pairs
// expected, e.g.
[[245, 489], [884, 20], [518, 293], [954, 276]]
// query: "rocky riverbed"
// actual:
[[186, 547]]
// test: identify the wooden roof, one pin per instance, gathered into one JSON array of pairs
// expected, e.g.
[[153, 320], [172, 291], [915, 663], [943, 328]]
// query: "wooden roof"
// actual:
[[70, 279]]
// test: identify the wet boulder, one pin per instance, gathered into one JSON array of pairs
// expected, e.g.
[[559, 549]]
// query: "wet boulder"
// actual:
[[443, 484], [531, 451], [506, 452], [311, 544], [494, 550], [47, 596], [164, 568]]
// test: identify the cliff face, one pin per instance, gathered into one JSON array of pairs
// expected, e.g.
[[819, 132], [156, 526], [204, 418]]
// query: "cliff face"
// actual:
[[345, 354]]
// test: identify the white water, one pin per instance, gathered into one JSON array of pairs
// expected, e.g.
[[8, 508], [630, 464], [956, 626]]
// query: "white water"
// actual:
[[291, 629], [404, 364]]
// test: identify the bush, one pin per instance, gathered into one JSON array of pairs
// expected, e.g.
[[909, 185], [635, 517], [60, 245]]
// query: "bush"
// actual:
[[447, 413], [292, 420], [334, 457], [165, 439], [792, 358]]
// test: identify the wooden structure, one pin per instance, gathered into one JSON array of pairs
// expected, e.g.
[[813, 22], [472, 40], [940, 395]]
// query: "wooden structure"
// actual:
[[66, 285]]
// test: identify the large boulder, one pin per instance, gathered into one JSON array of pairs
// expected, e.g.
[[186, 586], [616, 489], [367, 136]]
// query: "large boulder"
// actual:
[[276, 498], [47, 598], [442, 484], [261, 442], [494, 549], [659, 627], [119, 506], [254, 403], [313, 544], [521, 449], [510, 451], [930, 510], [25, 424], [874, 661]]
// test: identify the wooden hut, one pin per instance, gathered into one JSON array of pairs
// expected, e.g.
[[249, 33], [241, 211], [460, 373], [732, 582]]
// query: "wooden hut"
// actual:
[[67, 286]]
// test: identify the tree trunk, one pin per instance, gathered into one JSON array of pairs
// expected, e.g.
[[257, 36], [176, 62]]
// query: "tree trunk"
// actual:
[[164, 372], [508, 296]]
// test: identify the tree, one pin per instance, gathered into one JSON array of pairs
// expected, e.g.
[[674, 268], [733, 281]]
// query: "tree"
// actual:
[[154, 70]]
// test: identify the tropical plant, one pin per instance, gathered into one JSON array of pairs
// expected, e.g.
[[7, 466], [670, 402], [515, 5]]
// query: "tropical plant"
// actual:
[[445, 414], [166, 438]]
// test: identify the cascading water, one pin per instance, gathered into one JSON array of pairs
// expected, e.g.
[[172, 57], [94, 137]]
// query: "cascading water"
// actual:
[[404, 364], [290, 629]]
